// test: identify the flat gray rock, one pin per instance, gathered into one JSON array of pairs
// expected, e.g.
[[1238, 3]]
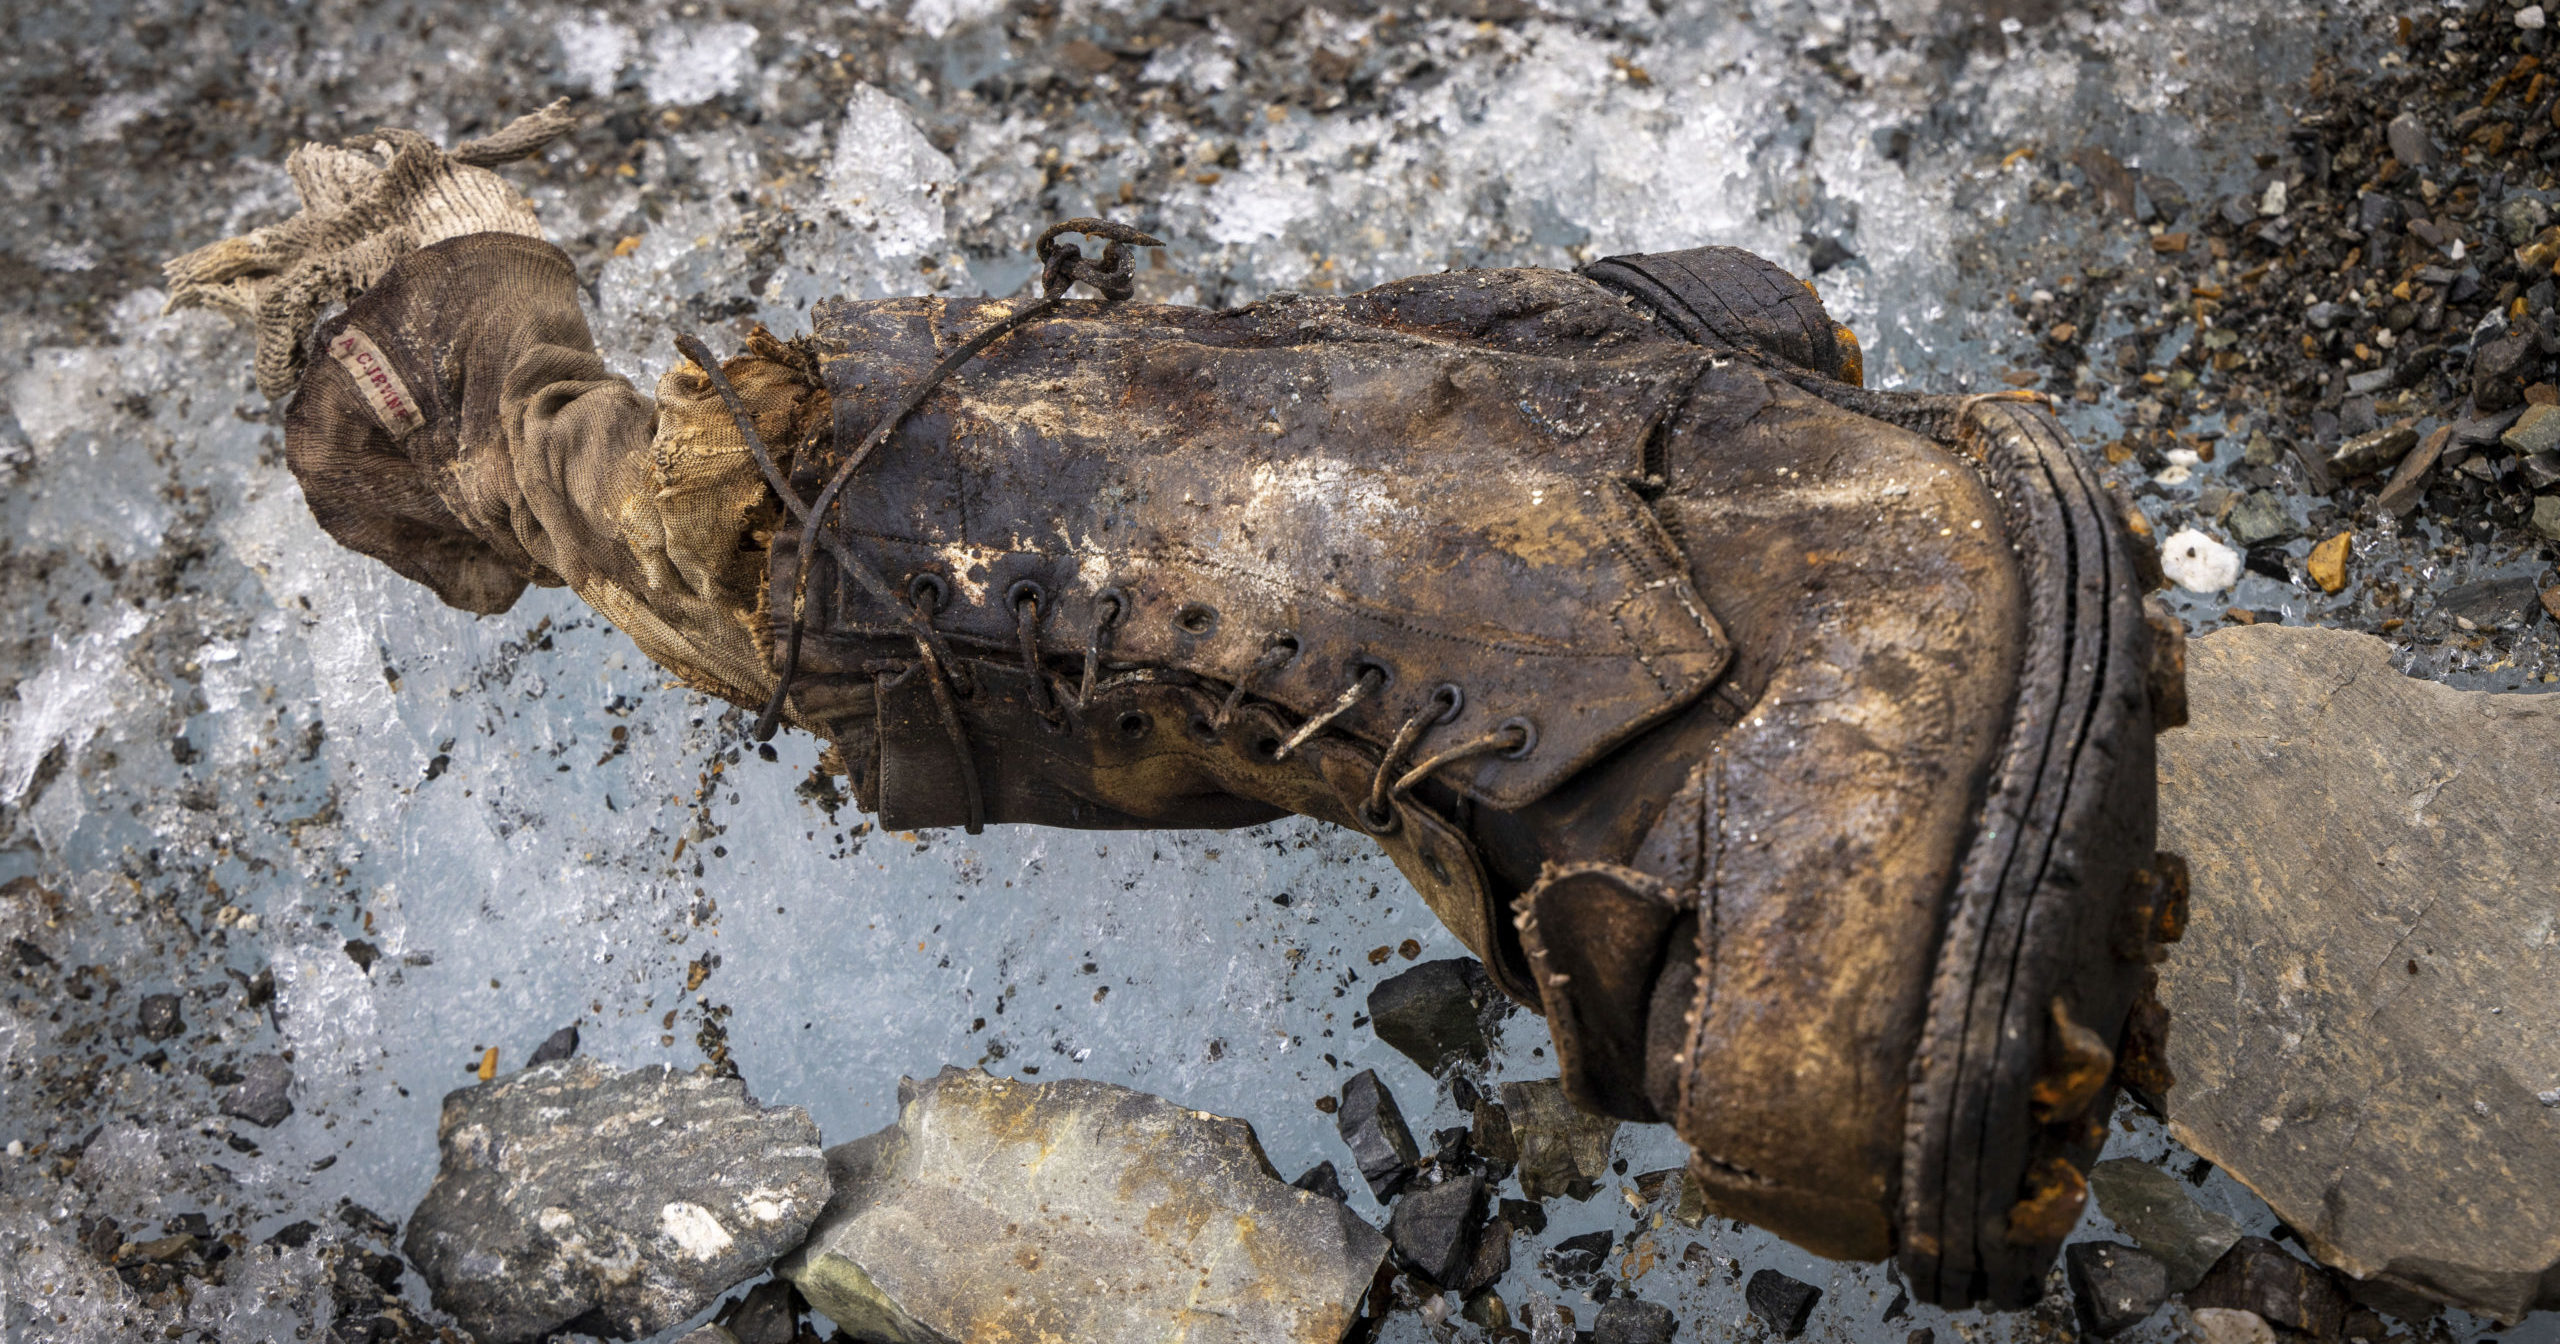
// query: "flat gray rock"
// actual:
[[2363, 1022], [1002, 1212], [2153, 1207], [624, 1202]]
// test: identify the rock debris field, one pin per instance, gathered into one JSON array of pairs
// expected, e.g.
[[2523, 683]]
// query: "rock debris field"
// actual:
[[289, 852]]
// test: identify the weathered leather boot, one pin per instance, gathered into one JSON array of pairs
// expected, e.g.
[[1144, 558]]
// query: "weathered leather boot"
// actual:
[[1794, 761], [1787, 744]]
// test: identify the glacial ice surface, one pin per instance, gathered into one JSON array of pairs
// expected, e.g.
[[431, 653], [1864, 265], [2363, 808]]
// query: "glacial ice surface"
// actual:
[[231, 747]]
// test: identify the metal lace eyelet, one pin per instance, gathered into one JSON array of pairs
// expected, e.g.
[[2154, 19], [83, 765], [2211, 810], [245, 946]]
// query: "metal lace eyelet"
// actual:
[[1267, 747], [926, 581], [1456, 695], [1196, 618], [1361, 668], [1280, 642], [1135, 724], [1528, 738], [1202, 731], [1027, 590], [1118, 598], [1382, 822]]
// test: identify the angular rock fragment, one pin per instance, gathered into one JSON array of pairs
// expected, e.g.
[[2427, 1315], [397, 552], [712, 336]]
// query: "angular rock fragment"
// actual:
[[1490, 1261], [262, 1096], [2368, 453], [1784, 1303], [158, 1017], [2361, 1015], [1439, 1014], [623, 1201], [2256, 1275], [557, 1046], [1563, 1150], [1580, 1257], [1491, 1138], [766, 1315], [2153, 1207], [1626, 1320], [1322, 1179], [1434, 1230], [2114, 1286], [2259, 516], [1000, 1212], [1372, 1126]]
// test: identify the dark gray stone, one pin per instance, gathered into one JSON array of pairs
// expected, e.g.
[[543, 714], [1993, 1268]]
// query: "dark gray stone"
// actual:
[[262, 1096], [1434, 1230], [766, 1315], [1491, 1138], [1438, 1014], [2153, 1207], [1626, 1320], [1784, 1303], [2168, 199], [2497, 371], [159, 1018], [2256, 1275], [555, 1047], [1373, 1127], [632, 1200], [1580, 1257], [1003, 1212], [2491, 601], [1490, 1261], [2114, 1286], [1562, 1150], [2361, 1012], [1322, 1179]]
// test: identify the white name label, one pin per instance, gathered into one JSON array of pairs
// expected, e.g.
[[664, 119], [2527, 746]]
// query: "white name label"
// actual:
[[382, 388]]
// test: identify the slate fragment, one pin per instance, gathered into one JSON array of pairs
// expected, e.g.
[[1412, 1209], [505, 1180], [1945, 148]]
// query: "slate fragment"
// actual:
[[2153, 1207], [1372, 1127], [1434, 1230], [624, 1201], [2256, 1275], [158, 1017], [557, 1046], [1322, 1179], [2114, 1287], [1563, 1150], [1002, 1212], [2360, 1014], [1439, 1014], [1627, 1320], [1784, 1303], [262, 1096]]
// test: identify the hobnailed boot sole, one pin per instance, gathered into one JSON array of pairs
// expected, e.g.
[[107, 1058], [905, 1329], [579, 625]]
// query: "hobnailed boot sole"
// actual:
[[2045, 943]]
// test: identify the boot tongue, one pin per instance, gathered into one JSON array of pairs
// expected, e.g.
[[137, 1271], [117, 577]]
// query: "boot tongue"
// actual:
[[1597, 935]]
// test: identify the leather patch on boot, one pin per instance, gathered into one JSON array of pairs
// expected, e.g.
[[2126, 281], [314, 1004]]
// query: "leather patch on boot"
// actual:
[[919, 776], [1596, 935], [376, 382]]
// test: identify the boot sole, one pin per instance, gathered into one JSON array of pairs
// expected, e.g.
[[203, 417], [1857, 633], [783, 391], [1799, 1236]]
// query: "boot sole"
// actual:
[[2003, 1119]]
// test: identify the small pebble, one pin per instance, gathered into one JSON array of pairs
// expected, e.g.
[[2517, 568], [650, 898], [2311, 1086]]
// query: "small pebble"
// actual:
[[2198, 563], [2529, 18]]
